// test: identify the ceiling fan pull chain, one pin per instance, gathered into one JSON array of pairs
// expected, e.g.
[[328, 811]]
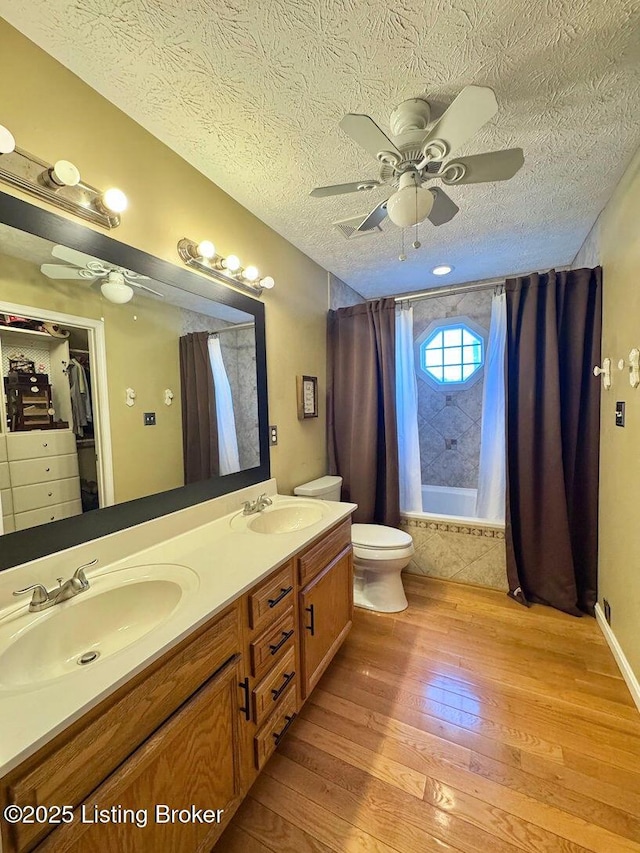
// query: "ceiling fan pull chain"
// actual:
[[402, 256]]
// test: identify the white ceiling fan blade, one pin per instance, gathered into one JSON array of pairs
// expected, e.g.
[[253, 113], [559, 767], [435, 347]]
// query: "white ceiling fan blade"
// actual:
[[144, 287], [444, 209], [472, 109], [60, 271], [480, 168], [363, 130], [339, 189], [72, 256], [374, 218]]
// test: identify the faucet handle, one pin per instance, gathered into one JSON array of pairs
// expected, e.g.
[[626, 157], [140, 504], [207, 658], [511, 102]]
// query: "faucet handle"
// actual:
[[40, 594], [80, 575]]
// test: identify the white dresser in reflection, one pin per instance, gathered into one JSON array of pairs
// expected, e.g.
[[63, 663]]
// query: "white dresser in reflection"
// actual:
[[41, 481]]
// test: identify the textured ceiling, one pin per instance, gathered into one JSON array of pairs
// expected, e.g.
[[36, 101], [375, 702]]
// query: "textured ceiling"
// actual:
[[251, 94]]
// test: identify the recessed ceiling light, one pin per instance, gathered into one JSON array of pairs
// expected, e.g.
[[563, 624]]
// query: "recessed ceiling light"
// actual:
[[442, 269]]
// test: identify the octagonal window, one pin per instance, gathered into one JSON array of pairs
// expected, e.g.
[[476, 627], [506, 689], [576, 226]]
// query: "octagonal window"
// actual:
[[452, 354]]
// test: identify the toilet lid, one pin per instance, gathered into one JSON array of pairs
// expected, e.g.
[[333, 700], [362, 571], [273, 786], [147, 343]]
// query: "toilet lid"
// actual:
[[379, 536]]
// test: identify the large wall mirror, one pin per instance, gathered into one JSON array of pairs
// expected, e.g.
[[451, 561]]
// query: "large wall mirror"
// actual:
[[115, 412]]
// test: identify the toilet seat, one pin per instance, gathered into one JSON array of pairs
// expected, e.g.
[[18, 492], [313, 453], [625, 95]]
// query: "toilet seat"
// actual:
[[378, 542]]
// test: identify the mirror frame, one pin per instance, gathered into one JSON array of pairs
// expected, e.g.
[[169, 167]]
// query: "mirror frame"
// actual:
[[35, 542]]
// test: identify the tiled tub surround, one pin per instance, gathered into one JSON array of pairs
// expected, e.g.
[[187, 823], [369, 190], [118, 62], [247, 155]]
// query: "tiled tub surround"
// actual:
[[449, 419], [466, 551]]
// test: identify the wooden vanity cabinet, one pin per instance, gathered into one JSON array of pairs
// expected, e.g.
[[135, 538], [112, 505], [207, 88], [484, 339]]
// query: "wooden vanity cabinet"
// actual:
[[196, 726]]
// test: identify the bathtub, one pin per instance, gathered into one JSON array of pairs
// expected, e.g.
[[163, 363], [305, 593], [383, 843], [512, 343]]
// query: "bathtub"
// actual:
[[444, 504]]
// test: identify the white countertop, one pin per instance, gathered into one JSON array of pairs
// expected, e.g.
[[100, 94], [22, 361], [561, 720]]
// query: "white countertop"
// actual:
[[227, 563]]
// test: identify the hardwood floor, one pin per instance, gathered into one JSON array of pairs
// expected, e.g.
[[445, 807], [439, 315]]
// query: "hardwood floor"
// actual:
[[466, 724]]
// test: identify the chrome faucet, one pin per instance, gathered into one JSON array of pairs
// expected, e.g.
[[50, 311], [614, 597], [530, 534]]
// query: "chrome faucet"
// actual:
[[249, 507], [44, 598]]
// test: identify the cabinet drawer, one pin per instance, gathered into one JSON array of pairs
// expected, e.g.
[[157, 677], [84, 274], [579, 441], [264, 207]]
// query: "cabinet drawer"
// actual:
[[46, 494], [272, 733], [317, 557], [5, 482], [26, 472], [271, 598], [40, 443], [273, 687], [70, 768], [272, 644], [52, 513]]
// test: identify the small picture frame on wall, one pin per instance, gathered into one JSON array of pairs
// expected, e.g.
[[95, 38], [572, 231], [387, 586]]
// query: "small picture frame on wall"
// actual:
[[307, 393]]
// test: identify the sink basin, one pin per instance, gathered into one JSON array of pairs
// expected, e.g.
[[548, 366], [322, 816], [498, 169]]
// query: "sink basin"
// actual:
[[282, 517], [119, 608]]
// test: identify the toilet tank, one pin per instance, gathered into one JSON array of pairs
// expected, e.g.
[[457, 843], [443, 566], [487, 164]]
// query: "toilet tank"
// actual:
[[325, 488]]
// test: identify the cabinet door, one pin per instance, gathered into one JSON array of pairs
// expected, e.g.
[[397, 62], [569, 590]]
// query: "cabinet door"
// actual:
[[326, 613], [191, 761]]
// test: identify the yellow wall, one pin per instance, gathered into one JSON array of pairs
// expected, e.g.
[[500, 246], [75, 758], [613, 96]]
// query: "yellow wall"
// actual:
[[53, 114], [142, 354], [619, 530]]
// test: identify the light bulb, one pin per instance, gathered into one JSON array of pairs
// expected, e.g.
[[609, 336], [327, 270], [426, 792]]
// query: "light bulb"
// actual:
[[267, 283], [114, 200], [7, 141], [442, 269], [409, 205], [232, 263], [205, 249], [116, 290], [251, 273], [64, 174]]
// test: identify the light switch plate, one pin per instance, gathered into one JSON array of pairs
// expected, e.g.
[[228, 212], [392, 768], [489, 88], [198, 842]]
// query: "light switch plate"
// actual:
[[620, 413], [149, 418]]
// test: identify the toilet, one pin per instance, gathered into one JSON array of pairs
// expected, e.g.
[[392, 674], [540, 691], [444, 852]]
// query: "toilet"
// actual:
[[379, 554]]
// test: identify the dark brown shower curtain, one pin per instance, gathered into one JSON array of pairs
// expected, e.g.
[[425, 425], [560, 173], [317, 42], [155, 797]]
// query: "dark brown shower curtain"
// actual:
[[199, 422], [363, 447], [553, 425]]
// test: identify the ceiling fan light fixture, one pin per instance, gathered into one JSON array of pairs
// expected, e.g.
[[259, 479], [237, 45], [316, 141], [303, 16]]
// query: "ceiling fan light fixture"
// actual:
[[409, 205], [116, 290], [442, 269]]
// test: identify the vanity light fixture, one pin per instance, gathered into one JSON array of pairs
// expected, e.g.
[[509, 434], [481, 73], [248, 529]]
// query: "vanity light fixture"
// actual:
[[59, 184], [442, 269], [227, 270]]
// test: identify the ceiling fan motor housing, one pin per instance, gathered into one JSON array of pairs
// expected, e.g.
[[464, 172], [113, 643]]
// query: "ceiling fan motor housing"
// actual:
[[414, 114]]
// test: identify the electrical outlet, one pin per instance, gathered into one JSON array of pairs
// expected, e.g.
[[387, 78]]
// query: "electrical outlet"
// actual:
[[607, 610], [149, 418], [273, 435]]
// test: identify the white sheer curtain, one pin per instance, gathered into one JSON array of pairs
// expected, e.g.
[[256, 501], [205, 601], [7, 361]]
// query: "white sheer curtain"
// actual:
[[407, 414], [493, 451], [227, 437]]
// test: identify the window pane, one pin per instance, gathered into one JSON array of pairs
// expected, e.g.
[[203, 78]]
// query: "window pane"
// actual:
[[433, 357], [468, 337], [453, 337], [436, 372], [472, 354], [435, 342], [453, 373], [452, 355], [468, 370]]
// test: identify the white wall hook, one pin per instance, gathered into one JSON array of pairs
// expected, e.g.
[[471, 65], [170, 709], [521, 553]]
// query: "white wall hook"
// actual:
[[131, 397], [605, 370], [634, 367], [168, 396]]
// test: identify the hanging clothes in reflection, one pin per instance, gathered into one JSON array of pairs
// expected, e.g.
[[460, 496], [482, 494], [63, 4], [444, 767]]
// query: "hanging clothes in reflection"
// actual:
[[81, 411]]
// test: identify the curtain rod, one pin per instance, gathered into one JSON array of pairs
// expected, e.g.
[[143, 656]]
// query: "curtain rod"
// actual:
[[451, 290], [237, 328]]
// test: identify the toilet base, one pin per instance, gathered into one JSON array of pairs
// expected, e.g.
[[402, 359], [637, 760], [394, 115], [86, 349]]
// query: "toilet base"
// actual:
[[379, 589]]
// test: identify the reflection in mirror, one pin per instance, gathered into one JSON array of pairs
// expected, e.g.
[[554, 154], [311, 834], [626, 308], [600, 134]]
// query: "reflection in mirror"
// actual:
[[100, 405]]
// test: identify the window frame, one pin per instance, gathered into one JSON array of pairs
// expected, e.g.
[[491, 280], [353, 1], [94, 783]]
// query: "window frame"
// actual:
[[443, 324]]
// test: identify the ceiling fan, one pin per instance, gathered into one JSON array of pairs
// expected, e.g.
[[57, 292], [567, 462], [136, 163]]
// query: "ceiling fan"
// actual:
[[418, 155], [117, 282]]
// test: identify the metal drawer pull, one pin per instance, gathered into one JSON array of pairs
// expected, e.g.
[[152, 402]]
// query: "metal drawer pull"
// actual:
[[284, 591], [244, 685], [286, 635], [279, 735], [287, 680], [312, 612]]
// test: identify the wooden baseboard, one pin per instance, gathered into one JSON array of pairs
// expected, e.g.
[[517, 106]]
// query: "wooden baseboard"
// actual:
[[625, 667]]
